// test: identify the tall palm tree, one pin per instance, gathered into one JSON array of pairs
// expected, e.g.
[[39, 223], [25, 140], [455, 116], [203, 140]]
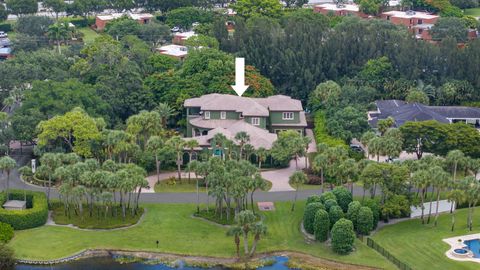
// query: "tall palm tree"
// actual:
[[455, 196], [365, 140], [440, 182], [455, 158], [191, 145], [320, 164], [306, 143], [7, 164], [258, 229], [261, 154], [471, 188], [236, 232], [9, 101], [245, 220], [177, 145], [375, 147], [57, 33], [154, 145], [297, 178], [421, 179], [194, 166], [50, 161], [165, 111], [242, 138]]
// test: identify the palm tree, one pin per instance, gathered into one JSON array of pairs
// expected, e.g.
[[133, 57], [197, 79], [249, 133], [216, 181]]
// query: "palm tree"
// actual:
[[306, 141], [421, 179], [297, 178], [177, 145], [242, 138], [375, 147], [245, 221], [9, 101], [258, 229], [365, 139], [455, 196], [165, 111], [262, 154], [455, 158], [440, 181], [319, 165], [50, 161], [191, 145], [194, 166], [236, 232], [57, 33], [7, 164], [471, 188]]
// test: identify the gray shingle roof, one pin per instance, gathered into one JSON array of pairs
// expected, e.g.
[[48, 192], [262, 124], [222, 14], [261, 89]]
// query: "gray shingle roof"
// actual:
[[456, 111]]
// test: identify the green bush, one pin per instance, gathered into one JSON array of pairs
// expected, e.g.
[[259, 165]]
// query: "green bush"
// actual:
[[309, 216], [343, 236], [35, 215], [7, 258], [352, 213], [327, 196], [329, 203], [6, 232], [396, 206], [321, 225], [5, 27], [364, 221], [344, 197], [375, 207], [313, 199], [335, 214], [321, 134]]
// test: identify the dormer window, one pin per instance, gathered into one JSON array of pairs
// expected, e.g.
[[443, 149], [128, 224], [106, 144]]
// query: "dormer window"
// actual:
[[223, 115], [207, 115], [287, 116], [255, 121]]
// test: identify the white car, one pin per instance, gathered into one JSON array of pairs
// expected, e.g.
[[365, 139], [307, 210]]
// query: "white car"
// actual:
[[175, 29]]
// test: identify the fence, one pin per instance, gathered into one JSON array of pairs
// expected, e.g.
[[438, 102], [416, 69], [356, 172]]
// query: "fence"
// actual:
[[388, 255]]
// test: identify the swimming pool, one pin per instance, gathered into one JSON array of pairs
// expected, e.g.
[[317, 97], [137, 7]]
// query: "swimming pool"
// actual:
[[474, 246]]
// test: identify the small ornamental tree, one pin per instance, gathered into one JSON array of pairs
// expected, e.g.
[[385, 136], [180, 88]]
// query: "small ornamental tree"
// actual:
[[352, 213], [364, 221], [6, 233], [329, 203], [309, 216], [327, 196], [313, 199], [375, 207], [343, 236], [335, 214], [344, 197], [321, 225]]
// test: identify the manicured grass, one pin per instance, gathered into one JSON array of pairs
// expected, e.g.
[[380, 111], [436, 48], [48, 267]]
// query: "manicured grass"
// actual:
[[168, 186], [421, 246], [98, 220], [178, 232], [89, 34], [473, 12]]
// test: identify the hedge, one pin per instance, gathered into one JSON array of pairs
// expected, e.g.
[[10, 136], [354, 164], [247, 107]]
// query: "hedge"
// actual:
[[335, 214], [6, 232], [329, 204], [344, 197], [343, 236], [309, 216], [5, 27], [321, 225], [321, 135], [313, 199], [352, 213], [364, 221], [327, 196], [35, 215]]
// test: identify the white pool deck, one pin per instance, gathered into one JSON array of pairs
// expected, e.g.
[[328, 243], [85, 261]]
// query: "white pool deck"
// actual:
[[455, 243]]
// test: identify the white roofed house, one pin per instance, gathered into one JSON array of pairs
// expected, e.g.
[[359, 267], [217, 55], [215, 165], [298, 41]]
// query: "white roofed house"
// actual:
[[260, 118]]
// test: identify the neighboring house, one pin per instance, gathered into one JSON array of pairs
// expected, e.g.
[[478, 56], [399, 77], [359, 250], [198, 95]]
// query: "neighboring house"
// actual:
[[5, 53], [339, 10], [175, 51], [180, 38], [261, 118], [101, 21], [418, 23], [403, 112]]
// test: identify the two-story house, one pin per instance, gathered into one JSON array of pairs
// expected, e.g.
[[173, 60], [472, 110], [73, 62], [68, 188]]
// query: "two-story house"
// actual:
[[261, 118]]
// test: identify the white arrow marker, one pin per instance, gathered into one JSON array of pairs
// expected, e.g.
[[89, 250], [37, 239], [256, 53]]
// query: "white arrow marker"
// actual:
[[240, 86]]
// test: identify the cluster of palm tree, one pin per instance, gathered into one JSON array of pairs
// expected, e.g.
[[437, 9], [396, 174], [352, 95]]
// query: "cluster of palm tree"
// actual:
[[388, 144], [61, 32], [247, 224], [229, 182]]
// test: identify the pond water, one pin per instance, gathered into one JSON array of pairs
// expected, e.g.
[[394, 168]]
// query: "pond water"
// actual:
[[108, 263]]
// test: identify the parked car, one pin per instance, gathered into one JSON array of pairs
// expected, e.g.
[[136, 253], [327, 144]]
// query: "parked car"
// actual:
[[3, 34], [175, 29], [356, 148]]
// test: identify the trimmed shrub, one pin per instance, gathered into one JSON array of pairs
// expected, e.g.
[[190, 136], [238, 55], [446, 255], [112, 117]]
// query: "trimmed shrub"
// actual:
[[313, 199], [397, 206], [321, 225], [327, 196], [5, 27], [7, 258], [35, 215], [343, 236], [352, 213], [329, 203], [309, 216], [6, 232], [344, 197], [364, 221], [375, 207], [335, 214]]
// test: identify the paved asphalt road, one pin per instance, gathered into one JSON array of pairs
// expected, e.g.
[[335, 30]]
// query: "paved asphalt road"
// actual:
[[24, 159]]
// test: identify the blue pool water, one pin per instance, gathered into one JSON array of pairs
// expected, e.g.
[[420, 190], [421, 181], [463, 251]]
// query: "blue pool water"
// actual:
[[107, 263], [474, 246]]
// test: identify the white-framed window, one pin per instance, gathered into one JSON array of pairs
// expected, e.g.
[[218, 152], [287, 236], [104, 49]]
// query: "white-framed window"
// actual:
[[255, 121], [207, 115], [287, 116], [223, 115]]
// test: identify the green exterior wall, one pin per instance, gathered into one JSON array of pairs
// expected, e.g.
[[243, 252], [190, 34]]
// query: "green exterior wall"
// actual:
[[263, 121], [276, 118]]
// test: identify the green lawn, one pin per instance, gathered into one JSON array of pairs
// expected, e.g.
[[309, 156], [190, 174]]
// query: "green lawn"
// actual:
[[178, 232], [473, 12], [167, 186], [421, 246], [89, 34]]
